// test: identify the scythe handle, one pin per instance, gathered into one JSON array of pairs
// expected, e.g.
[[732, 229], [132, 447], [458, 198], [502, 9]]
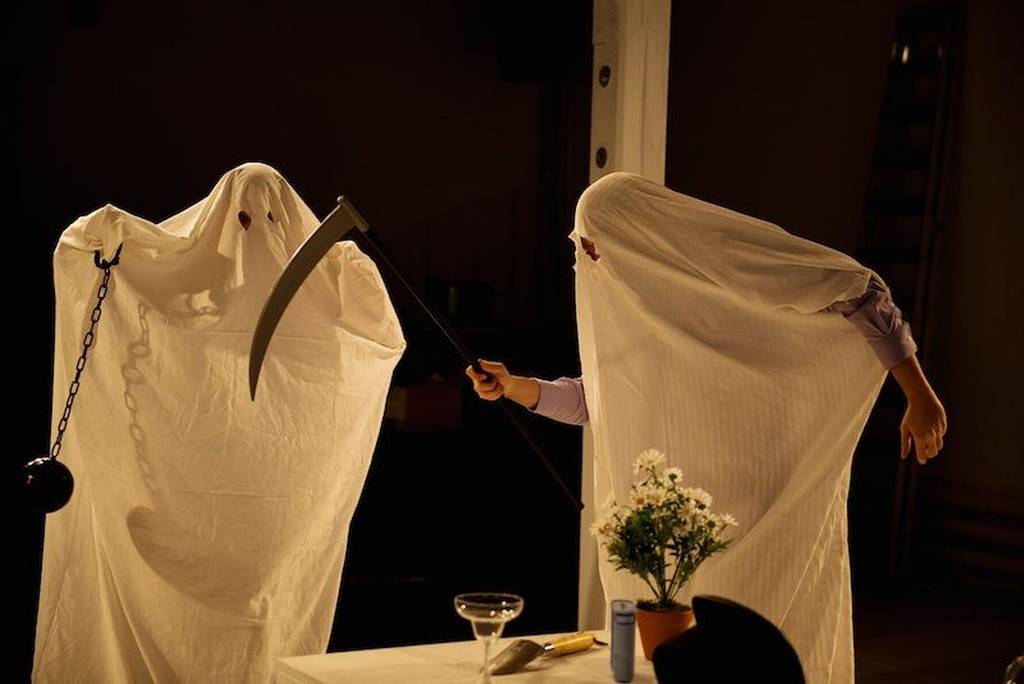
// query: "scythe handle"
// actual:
[[463, 350]]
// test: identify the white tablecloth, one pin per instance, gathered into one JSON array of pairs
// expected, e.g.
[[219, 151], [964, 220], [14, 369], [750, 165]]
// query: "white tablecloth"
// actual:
[[450, 663]]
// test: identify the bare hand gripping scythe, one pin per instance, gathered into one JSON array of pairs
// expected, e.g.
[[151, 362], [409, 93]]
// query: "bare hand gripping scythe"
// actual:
[[339, 224]]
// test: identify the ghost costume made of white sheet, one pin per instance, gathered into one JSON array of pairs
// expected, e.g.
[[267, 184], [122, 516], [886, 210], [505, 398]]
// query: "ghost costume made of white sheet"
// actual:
[[206, 533], [700, 335]]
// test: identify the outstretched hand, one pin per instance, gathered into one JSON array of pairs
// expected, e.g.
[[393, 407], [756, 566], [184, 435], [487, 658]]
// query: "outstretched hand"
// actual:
[[496, 382], [490, 384]]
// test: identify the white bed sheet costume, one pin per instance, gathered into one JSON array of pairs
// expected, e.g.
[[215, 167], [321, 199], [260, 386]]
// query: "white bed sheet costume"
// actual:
[[207, 532], [700, 335]]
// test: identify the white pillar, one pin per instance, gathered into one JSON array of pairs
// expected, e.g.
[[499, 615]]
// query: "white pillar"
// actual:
[[628, 115], [629, 107]]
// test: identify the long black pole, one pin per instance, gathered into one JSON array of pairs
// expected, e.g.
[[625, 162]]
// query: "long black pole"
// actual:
[[464, 352]]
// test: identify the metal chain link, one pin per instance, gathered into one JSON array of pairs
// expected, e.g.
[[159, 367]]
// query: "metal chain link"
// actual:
[[90, 337]]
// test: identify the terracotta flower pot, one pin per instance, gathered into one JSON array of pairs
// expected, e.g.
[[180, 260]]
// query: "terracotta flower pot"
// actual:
[[657, 626]]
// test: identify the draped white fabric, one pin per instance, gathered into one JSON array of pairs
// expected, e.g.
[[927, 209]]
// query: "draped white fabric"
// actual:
[[700, 336], [207, 532]]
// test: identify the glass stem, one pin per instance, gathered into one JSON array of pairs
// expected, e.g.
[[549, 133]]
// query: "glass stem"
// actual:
[[485, 674]]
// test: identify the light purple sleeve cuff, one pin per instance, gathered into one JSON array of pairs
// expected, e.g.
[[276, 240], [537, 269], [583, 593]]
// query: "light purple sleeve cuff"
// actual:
[[881, 322], [562, 400]]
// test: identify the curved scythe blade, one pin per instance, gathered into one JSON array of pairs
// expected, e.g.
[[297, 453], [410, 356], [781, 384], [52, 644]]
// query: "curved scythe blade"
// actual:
[[340, 221]]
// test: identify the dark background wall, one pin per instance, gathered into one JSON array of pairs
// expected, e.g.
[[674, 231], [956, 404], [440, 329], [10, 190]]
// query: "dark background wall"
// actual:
[[972, 516], [461, 132], [773, 109]]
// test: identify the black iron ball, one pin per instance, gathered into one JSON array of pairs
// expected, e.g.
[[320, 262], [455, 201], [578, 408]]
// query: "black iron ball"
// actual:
[[48, 484]]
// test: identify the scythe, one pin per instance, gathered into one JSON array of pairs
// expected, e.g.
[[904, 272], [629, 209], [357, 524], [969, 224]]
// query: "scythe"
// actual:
[[336, 227]]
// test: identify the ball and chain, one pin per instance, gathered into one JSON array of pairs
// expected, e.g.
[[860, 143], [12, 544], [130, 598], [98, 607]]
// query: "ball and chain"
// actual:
[[48, 483]]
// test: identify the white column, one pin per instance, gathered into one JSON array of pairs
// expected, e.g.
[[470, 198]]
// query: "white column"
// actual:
[[629, 107], [628, 114]]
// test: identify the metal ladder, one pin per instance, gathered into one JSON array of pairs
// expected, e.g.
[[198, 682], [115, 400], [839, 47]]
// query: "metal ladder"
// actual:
[[901, 236]]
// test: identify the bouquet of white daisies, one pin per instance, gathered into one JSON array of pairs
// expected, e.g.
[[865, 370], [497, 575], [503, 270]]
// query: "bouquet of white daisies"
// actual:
[[665, 530]]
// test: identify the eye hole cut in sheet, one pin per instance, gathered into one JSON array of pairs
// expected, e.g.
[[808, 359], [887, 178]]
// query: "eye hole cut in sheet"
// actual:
[[700, 335], [207, 532]]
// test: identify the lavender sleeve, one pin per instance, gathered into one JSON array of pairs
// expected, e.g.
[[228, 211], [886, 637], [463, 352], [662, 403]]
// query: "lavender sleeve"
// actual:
[[880, 321], [562, 400]]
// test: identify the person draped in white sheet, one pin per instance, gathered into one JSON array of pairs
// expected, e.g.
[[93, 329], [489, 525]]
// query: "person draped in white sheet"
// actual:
[[752, 357], [207, 531]]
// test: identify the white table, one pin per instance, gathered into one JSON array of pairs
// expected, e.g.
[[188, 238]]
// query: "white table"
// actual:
[[450, 663]]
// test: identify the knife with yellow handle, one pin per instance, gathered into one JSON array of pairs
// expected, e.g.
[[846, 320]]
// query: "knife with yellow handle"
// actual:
[[522, 652]]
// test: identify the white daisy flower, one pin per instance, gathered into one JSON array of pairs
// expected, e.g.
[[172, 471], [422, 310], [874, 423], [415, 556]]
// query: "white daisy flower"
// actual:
[[649, 459], [698, 495], [655, 495]]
